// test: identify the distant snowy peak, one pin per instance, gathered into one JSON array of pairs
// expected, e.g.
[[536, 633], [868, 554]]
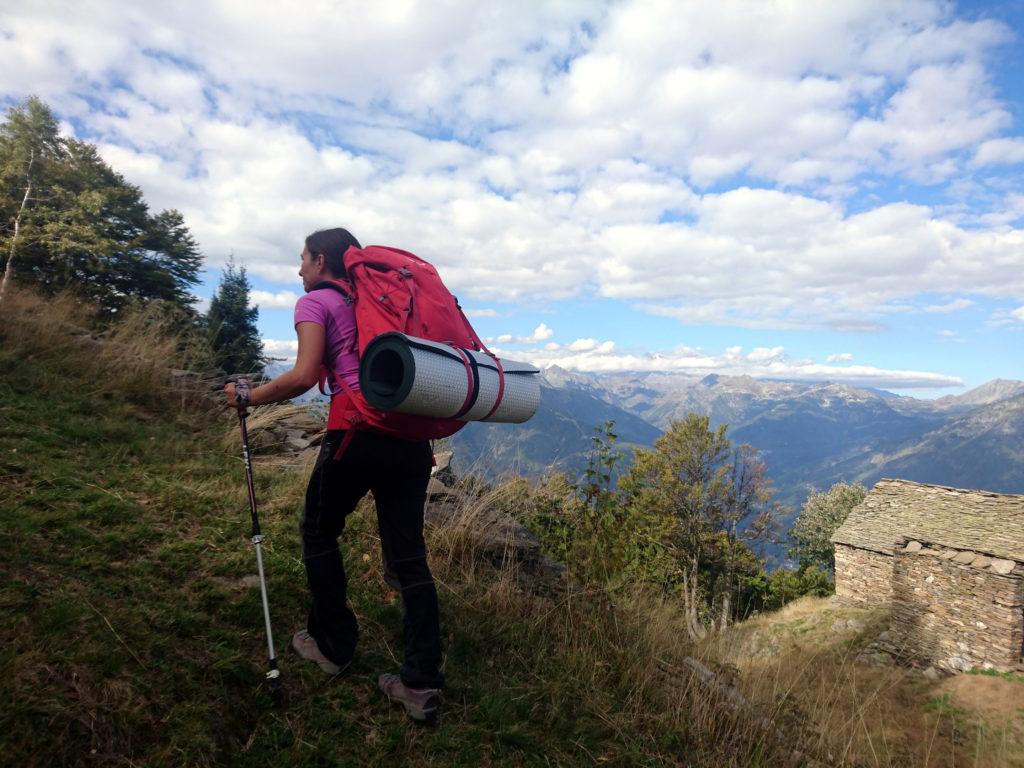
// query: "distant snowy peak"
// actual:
[[660, 386], [989, 392], [559, 378]]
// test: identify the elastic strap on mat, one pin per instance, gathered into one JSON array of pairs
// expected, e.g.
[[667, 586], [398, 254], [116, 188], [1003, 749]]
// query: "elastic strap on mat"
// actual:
[[472, 383], [501, 388]]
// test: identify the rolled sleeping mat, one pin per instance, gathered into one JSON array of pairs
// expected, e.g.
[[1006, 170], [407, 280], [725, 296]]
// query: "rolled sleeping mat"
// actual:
[[428, 378]]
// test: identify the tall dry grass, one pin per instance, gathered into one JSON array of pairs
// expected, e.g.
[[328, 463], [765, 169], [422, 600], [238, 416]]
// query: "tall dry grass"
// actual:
[[130, 356], [795, 669], [627, 651], [623, 653]]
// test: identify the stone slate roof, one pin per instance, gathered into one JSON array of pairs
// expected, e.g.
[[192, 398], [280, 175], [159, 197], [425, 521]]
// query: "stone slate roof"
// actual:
[[894, 510]]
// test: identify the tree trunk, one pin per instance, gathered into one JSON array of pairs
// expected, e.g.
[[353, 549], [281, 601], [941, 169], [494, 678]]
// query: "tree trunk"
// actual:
[[695, 629], [17, 225]]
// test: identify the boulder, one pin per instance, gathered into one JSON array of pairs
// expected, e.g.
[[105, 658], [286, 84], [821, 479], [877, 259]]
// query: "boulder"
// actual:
[[497, 537], [442, 469], [1002, 567]]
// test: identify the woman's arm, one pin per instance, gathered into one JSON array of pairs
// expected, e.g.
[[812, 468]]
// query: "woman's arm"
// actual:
[[303, 377]]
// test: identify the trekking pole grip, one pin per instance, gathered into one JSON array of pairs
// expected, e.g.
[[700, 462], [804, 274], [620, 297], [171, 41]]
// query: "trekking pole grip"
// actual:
[[243, 396]]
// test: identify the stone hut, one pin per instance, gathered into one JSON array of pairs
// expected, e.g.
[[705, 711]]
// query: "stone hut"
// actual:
[[950, 564]]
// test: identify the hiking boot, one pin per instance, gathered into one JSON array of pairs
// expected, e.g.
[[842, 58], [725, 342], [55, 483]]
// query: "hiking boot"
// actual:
[[421, 704], [305, 646]]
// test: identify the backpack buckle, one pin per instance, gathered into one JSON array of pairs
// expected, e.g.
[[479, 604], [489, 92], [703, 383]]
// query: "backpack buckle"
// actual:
[[405, 272]]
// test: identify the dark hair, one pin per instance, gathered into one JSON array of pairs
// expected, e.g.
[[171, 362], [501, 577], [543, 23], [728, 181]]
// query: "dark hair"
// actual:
[[332, 243]]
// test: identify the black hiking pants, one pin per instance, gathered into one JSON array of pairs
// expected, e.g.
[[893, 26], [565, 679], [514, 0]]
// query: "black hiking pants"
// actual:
[[397, 472]]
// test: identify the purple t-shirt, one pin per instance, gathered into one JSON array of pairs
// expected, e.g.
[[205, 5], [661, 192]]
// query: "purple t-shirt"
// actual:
[[327, 307]]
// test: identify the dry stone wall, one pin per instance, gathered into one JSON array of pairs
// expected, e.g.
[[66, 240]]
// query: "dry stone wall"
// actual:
[[863, 577], [958, 609]]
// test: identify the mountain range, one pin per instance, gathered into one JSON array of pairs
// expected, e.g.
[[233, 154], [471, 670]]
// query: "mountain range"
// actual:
[[810, 434]]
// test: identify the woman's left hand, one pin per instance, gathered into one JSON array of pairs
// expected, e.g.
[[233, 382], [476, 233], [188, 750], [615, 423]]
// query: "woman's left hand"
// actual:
[[229, 392]]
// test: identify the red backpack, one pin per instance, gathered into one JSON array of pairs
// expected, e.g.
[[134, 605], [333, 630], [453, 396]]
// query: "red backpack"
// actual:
[[394, 290]]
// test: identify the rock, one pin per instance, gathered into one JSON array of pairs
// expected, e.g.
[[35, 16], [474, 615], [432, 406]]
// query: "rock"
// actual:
[[497, 537], [309, 455], [981, 561], [854, 625], [958, 664], [912, 546], [297, 443], [932, 674], [964, 557], [948, 554], [442, 461], [1002, 567], [435, 489], [880, 659], [442, 470], [250, 582]]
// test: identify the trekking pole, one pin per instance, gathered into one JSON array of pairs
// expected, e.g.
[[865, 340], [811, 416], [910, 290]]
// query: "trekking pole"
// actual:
[[243, 389]]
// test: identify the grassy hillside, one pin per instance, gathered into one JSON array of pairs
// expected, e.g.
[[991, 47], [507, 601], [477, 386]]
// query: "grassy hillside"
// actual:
[[129, 635]]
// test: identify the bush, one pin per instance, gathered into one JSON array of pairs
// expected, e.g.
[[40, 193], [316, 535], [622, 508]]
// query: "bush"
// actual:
[[770, 592], [821, 516]]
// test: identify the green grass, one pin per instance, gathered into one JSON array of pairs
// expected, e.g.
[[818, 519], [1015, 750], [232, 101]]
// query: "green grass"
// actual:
[[127, 638], [1011, 676]]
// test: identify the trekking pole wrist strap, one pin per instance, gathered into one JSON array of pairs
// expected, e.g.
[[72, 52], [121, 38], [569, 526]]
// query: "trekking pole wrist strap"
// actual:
[[243, 393]]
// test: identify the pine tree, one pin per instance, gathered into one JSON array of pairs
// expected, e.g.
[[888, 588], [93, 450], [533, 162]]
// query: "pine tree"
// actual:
[[231, 323], [68, 220], [30, 154]]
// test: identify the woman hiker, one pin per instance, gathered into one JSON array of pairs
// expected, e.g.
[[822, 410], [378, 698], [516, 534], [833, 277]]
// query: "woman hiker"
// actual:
[[396, 471]]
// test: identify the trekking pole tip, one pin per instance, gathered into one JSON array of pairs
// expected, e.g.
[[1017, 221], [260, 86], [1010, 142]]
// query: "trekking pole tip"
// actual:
[[277, 694]]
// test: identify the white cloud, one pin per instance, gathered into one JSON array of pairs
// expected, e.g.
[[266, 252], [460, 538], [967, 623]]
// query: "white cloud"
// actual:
[[481, 312], [841, 357], [767, 364], [270, 300], [953, 306], [538, 155], [1011, 210], [1018, 314], [763, 258], [540, 333], [583, 345], [766, 354], [281, 348], [1000, 152]]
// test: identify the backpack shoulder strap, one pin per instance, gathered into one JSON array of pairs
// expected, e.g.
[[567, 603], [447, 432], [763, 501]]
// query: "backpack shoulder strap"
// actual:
[[344, 287]]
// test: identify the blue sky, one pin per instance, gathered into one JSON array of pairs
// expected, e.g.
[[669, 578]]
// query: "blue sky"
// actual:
[[824, 191]]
